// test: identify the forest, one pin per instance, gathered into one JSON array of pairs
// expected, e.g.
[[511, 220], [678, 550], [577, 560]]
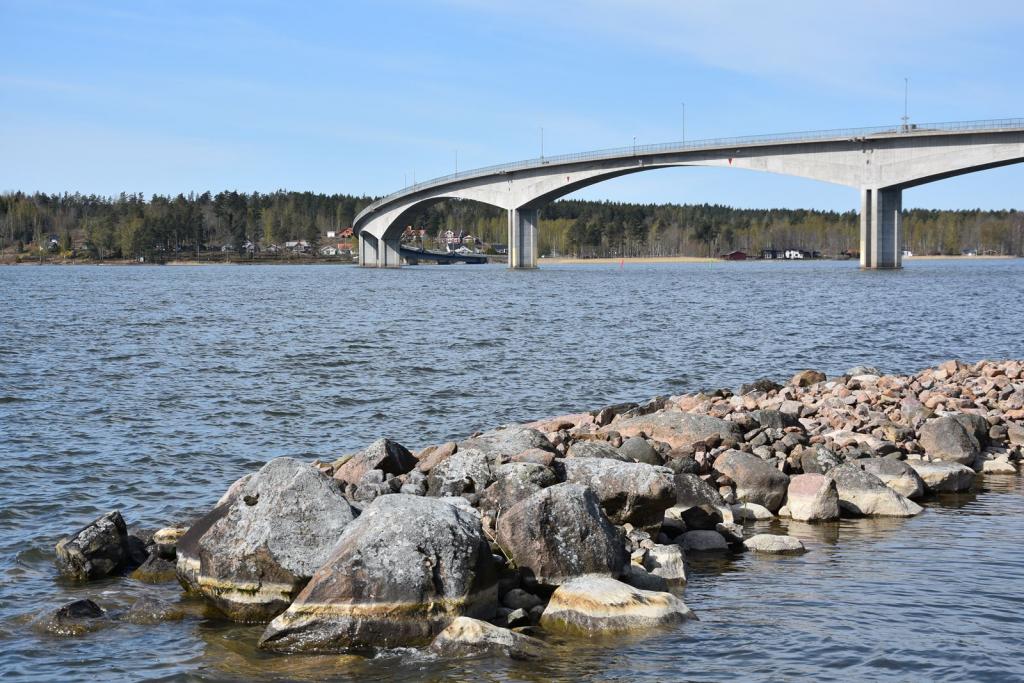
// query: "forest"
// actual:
[[129, 226]]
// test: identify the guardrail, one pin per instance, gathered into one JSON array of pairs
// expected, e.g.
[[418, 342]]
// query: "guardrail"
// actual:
[[709, 143]]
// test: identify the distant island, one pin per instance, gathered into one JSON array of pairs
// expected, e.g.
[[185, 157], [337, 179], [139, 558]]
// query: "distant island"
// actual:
[[295, 227]]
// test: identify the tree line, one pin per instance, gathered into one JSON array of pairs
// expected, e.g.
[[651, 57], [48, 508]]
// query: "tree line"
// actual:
[[130, 225]]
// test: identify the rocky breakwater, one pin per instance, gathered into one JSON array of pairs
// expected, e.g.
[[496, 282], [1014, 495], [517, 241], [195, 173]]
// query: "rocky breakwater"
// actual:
[[575, 525]]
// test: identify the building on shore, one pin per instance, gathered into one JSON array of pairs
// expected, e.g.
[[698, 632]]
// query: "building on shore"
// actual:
[[736, 255]]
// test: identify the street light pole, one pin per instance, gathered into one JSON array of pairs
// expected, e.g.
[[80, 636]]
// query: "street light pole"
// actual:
[[542, 143], [634, 145], [684, 121]]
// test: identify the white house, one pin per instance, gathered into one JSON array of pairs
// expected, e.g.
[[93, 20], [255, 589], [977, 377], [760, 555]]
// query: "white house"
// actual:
[[793, 254]]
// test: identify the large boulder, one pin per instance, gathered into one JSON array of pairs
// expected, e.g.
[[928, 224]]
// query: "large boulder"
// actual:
[[944, 477], [466, 472], [630, 493], [704, 541], [862, 493], [812, 498], [468, 637], [756, 481], [516, 481], [676, 428], [591, 448], [896, 474], [698, 504], [945, 438], [502, 444], [398, 575], [806, 378], [597, 604], [253, 553], [98, 549], [383, 454], [559, 533]]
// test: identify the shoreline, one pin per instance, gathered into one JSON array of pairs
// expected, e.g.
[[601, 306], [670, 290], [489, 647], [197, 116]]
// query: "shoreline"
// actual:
[[574, 525]]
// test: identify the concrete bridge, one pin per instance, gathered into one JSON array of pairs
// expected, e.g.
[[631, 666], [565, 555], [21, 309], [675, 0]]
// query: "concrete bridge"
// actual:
[[880, 162]]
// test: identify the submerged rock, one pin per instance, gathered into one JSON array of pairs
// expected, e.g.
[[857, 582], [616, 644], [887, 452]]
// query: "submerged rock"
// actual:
[[468, 637], [630, 493], [153, 611], [751, 512], [98, 549], [559, 533], [398, 575], [254, 552], [156, 570], [862, 493], [774, 544], [756, 481], [597, 604], [73, 619], [812, 498]]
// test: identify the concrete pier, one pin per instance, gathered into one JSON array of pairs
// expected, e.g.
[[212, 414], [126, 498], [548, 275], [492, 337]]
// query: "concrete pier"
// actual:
[[881, 239], [379, 253], [522, 238]]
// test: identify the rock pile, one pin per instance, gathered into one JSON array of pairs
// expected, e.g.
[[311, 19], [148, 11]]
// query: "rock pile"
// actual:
[[575, 524]]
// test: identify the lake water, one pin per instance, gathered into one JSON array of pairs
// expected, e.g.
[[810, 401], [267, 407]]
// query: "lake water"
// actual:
[[151, 389]]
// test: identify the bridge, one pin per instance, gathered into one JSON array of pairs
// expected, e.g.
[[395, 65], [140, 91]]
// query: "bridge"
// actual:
[[879, 162]]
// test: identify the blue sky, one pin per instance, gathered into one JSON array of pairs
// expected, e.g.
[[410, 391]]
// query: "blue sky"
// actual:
[[359, 97]]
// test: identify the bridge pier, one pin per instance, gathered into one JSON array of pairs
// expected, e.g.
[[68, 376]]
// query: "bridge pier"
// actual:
[[522, 238], [881, 239], [379, 253]]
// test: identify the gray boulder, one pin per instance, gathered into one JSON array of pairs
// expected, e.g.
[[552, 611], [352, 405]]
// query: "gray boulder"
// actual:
[[596, 449], [698, 504], [638, 449], [397, 576], [896, 474], [818, 460], [944, 438], [559, 533], [253, 553], [516, 481], [468, 637], [467, 471], [383, 454], [630, 493], [944, 477], [774, 419], [862, 493], [976, 425], [597, 604], [98, 549], [756, 481], [666, 561], [502, 444], [676, 428]]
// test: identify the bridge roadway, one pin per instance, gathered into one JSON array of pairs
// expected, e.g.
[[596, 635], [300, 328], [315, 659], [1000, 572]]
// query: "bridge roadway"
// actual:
[[879, 162]]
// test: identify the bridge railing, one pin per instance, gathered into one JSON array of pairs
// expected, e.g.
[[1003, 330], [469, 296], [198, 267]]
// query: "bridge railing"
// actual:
[[708, 143]]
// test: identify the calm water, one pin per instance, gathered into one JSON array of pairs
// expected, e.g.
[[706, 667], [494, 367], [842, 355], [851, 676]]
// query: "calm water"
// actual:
[[152, 389]]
